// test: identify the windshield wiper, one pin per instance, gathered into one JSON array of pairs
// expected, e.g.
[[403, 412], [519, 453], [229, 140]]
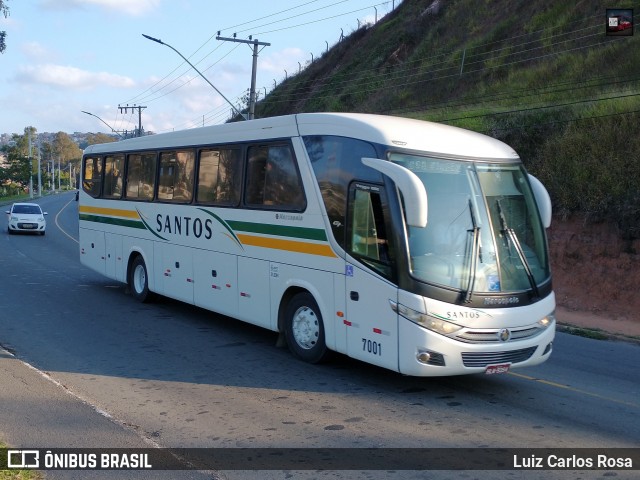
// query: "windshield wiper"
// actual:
[[475, 253], [511, 235]]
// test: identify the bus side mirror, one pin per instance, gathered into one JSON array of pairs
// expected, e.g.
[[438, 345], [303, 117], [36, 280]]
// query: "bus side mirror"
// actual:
[[411, 187], [542, 199]]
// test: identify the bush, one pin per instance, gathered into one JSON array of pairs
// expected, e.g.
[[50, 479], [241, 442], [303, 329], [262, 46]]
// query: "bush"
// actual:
[[592, 168]]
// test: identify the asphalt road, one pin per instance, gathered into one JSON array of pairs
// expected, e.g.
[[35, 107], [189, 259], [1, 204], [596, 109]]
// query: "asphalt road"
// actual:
[[171, 375]]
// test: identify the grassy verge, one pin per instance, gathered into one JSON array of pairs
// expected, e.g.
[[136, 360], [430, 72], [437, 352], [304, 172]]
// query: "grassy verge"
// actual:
[[19, 474], [595, 333], [15, 198]]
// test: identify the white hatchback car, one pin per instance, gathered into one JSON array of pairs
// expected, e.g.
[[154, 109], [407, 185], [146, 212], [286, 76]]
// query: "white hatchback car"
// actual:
[[26, 217]]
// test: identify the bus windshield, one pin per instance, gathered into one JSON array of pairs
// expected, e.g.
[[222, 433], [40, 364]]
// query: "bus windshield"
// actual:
[[484, 232]]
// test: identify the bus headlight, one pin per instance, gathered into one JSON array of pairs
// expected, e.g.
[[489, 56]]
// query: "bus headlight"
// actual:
[[427, 321], [547, 320]]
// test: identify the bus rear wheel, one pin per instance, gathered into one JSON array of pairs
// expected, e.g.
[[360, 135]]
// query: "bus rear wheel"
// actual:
[[304, 329], [139, 280]]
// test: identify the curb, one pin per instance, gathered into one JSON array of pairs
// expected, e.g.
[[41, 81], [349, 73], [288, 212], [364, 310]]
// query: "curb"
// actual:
[[595, 333]]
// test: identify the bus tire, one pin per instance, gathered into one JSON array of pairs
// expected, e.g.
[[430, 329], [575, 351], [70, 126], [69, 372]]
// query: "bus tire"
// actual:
[[304, 329], [139, 280]]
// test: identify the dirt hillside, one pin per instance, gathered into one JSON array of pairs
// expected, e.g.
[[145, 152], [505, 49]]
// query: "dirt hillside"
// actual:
[[596, 275]]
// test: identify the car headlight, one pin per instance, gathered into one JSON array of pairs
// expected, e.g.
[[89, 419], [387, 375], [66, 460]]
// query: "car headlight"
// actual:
[[14, 218], [41, 219], [435, 324]]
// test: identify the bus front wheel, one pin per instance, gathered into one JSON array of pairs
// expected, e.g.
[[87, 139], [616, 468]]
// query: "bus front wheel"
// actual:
[[304, 330], [139, 280]]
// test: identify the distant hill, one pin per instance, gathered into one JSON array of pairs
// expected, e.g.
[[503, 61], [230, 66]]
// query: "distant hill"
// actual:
[[541, 75]]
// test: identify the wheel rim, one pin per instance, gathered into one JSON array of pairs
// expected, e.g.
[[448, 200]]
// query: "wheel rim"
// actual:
[[306, 328], [139, 279]]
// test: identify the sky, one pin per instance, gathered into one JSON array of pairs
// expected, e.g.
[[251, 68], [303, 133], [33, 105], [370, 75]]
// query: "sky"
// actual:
[[64, 57]]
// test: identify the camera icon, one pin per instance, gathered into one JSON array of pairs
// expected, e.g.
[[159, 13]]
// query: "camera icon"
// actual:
[[23, 458]]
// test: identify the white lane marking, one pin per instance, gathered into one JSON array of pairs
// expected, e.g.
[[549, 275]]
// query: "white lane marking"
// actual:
[[58, 224]]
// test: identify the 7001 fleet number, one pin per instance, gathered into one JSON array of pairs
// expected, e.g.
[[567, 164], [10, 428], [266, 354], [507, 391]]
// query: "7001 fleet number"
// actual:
[[372, 347]]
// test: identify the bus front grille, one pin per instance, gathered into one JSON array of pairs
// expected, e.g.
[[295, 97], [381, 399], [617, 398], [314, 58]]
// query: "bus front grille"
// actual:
[[492, 335], [493, 358]]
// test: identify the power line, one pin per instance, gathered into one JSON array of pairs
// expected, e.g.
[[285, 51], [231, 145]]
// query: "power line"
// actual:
[[362, 87], [150, 97], [555, 122], [416, 74], [519, 94], [541, 107], [268, 16], [414, 67]]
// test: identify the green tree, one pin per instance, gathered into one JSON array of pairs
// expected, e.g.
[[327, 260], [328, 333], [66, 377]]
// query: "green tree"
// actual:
[[95, 138], [5, 11], [19, 167], [66, 148], [65, 152]]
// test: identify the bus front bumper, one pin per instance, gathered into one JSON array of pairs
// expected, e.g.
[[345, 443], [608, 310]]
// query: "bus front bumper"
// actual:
[[430, 354]]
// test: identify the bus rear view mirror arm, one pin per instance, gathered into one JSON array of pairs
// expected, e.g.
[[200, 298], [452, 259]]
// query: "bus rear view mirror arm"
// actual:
[[413, 191]]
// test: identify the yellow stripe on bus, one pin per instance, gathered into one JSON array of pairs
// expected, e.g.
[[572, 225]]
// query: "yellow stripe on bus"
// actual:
[[288, 245], [114, 212]]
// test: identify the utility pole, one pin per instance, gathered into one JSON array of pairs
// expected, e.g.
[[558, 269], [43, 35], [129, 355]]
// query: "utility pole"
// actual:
[[126, 110], [39, 176], [30, 164], [255, 43]]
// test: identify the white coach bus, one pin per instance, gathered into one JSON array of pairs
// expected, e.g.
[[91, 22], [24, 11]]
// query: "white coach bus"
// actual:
[[414, 246]]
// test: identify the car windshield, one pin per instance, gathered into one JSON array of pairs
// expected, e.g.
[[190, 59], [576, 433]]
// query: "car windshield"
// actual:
[[28, 209], [484, 233]]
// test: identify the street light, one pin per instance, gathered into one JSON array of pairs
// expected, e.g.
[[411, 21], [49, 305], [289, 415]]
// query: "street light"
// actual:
[[114, 131], [199, 72]]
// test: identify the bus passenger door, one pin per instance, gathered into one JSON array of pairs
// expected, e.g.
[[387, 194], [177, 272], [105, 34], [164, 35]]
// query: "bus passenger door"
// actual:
[[371, 322], [372, 326]]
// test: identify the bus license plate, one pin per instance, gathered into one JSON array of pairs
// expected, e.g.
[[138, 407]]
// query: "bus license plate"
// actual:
[[495, 369]]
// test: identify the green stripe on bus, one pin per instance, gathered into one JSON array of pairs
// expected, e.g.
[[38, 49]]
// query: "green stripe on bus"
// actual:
[[148, 227], [225, 225], [113, 221], [279, 230]]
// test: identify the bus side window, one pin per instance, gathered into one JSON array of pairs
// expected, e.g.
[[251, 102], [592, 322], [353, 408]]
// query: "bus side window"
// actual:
[[219, 176], [336, 161], [141, 176], [256, 166], [273, 179], [369, 239], [113, 173], [92, 180], [175, 183]]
